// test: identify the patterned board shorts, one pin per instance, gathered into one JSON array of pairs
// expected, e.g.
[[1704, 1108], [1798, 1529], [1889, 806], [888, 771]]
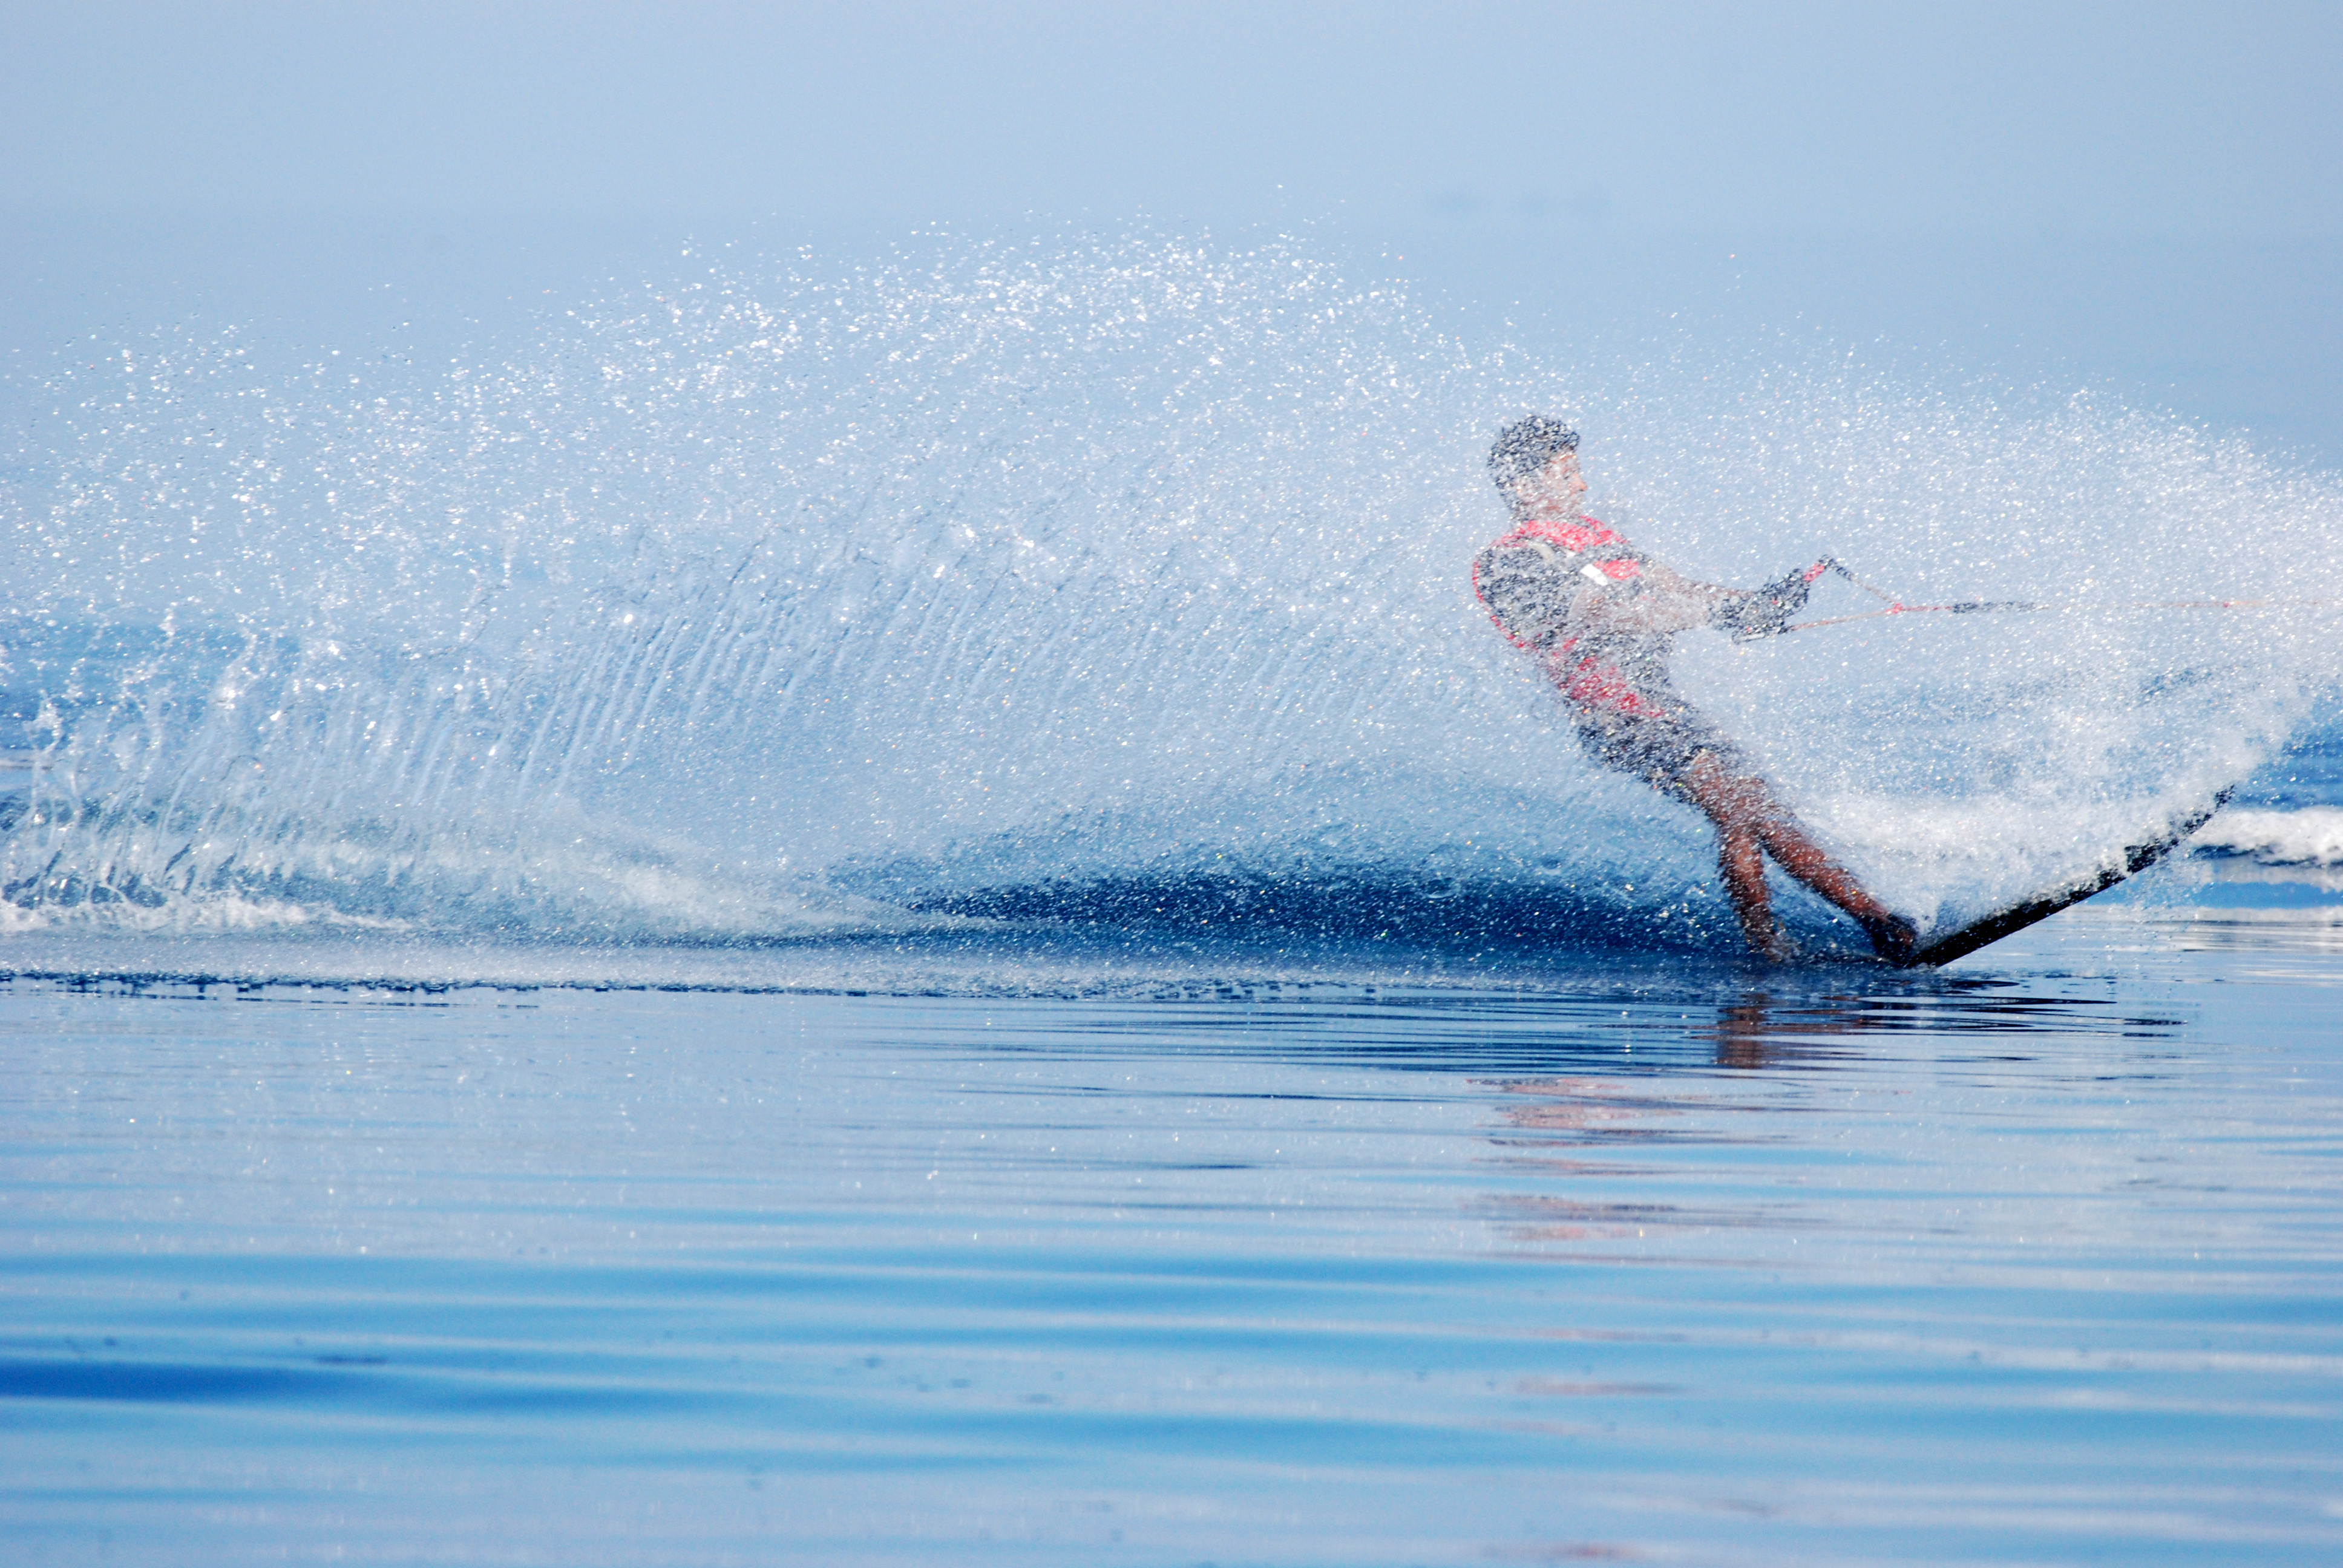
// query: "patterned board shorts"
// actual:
[[1659, 748]]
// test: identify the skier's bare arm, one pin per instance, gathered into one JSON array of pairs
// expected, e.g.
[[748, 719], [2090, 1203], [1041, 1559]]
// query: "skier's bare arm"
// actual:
[[1667, 601]]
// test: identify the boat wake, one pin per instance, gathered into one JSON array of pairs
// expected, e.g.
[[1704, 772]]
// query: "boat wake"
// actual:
[[1118, 585]]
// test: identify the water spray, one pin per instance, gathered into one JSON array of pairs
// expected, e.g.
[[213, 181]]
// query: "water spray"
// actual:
[[1127, 577]]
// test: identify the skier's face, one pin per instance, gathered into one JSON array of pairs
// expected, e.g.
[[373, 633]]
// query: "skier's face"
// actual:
[[1556, 486]]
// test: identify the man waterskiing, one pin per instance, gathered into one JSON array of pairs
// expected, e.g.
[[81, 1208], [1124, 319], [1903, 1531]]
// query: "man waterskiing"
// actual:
[[1600, 617]]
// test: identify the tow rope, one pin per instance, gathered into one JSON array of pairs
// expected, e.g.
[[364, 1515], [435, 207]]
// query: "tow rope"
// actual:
[[1972, 606]]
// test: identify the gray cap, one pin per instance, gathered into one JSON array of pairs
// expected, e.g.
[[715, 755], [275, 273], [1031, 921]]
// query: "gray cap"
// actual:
[[1525, 446]]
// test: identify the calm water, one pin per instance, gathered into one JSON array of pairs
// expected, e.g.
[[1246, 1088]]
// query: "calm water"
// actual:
[[908, 915], [2038, 1260]]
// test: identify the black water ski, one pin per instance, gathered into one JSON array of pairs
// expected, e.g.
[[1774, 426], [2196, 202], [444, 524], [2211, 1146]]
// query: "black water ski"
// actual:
[[2138, 858]]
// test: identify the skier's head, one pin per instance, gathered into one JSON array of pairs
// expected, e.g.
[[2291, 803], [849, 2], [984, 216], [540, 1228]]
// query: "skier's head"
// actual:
[[1524, 449]]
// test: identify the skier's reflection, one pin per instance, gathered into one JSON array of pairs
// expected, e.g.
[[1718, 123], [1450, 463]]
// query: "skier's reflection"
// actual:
[[1762, 1030], [1614, 1129], [1745, 1032]]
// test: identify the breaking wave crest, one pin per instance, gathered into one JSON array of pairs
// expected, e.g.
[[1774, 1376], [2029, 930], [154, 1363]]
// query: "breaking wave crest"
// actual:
[[1119, 583]]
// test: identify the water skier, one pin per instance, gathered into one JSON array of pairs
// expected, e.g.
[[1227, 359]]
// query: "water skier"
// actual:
[[1600, 616]]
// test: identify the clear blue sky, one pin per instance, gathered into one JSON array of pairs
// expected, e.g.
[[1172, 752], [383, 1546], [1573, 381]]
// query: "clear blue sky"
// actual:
[[2147, 194]]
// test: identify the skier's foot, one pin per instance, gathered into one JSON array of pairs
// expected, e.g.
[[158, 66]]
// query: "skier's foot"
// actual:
[[1893, 936]]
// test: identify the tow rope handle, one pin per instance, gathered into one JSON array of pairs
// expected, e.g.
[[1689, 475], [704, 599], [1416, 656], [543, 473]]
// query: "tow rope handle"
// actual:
[[1972, 606], [1898, 607], [1767, 610]]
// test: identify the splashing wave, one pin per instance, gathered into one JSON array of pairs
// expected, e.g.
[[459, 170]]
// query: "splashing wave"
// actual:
[[1117, 582]]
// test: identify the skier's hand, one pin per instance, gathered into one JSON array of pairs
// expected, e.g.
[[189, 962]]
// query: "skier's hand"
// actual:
[[1763, 612]]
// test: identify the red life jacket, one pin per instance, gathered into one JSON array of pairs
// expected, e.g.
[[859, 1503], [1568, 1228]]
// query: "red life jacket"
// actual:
[[1527, 580]]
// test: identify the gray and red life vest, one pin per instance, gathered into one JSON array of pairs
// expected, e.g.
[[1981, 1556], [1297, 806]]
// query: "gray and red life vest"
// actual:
[[1530, 579]]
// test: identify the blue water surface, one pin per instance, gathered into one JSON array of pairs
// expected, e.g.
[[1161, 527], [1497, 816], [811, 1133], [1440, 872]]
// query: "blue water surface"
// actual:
[[907, 915], [2033, 1262]]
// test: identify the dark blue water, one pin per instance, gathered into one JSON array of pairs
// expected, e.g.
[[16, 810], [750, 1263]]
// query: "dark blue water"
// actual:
[[2036, 1261]]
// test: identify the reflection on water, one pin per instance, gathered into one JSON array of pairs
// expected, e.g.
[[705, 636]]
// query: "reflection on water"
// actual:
[[1762, 1031], [2263, 931], [2036, 1265]]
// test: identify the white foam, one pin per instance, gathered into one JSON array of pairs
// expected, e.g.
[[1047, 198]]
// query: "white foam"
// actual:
[[2309, 837], [1116, 559]]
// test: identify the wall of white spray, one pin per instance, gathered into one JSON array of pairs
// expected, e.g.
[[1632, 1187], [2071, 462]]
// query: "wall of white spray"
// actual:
[[766, 602]]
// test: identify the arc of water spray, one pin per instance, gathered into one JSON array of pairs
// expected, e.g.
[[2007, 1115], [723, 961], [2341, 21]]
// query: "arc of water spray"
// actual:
[[1972, 606]]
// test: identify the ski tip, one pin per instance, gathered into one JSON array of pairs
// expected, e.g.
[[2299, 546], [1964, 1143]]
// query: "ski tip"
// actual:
[[1959, 942]]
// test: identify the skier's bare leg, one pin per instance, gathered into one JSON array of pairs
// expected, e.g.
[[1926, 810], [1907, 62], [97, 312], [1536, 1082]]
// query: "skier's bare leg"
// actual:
[[1741, 865], [1746, 816]]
